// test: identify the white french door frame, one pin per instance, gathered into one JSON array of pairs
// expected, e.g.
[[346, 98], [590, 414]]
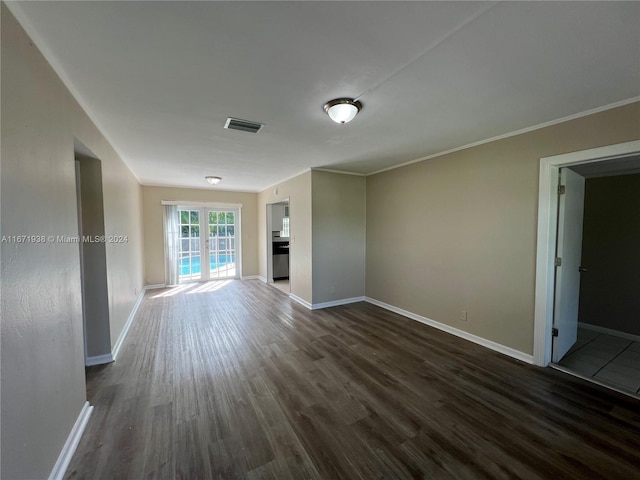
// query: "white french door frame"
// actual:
[[547, 232], [205, 241], [204, 210]]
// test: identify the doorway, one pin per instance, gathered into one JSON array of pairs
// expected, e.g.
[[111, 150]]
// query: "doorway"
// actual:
[[607, 346], [553, 299], [278, 245], [93, 262], [208, 247]]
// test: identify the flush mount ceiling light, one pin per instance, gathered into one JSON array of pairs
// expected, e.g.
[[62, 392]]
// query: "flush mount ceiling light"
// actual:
[[213, 180], [342, 110]]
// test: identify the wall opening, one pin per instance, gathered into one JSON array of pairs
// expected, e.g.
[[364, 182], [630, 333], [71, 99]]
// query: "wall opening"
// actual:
[[93, 259]]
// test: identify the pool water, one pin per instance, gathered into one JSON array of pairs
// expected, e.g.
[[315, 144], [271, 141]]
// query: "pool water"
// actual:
[[195, 264]]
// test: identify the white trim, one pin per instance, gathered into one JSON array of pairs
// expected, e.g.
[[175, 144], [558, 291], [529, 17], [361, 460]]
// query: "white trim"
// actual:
[[251, 277], [329, 170], [69, 448], [514, 133], [239, 247], [125, 329], [301, 301], [155, 285], [335, 303], [609, 331], [202, 204], [261, 278], [510, 352], [98, 360], [547, 213]]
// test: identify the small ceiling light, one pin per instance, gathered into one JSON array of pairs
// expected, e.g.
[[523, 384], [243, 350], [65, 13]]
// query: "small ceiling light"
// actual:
[[342, 110], [213, 180]]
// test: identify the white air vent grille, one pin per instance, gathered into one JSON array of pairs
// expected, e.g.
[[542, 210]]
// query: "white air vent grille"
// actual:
[[244, 125]]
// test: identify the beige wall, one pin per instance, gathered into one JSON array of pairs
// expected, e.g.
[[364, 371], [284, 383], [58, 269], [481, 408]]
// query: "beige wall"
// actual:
[[43, 380], [610, 251], [298, 191], [154, 233], [457, 232], [339, 236]]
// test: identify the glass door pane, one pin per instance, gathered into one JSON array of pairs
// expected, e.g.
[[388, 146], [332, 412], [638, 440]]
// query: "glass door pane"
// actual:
[[189, 267], [222, 243]]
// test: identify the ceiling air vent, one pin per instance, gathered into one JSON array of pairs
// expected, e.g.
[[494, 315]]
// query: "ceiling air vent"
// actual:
[[244, 125]]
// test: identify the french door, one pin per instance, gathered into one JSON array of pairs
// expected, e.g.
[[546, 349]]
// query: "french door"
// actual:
[[208, 245]]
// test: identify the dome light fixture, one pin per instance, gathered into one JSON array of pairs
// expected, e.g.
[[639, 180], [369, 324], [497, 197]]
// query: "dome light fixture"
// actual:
[[342, 110], [213, 180]]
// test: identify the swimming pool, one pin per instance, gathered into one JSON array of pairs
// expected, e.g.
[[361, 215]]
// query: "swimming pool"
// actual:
[[194, 263]]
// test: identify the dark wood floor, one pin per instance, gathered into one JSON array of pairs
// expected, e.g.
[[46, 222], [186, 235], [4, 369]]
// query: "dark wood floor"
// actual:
[[235, 380]]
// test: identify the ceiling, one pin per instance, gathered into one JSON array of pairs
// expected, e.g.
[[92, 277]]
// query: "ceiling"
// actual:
[[160, 78]]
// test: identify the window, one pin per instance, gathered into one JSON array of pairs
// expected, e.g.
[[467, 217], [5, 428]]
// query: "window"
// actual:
[[285, 227]]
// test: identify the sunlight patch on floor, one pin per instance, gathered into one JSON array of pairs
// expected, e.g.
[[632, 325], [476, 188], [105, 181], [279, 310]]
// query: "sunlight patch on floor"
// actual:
[[211, 286]]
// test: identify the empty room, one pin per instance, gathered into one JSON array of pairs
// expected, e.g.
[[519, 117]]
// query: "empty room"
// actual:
[[319, 240]]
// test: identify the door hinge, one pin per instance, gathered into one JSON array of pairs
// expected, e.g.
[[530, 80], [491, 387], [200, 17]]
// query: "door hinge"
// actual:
[[554, 332], [557, 262], [562, 189]]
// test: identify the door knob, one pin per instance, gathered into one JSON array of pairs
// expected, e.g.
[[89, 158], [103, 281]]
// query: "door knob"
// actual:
[[582, 269]]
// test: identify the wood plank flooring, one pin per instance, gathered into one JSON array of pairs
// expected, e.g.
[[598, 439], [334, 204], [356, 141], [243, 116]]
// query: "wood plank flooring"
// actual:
[[233, 380]]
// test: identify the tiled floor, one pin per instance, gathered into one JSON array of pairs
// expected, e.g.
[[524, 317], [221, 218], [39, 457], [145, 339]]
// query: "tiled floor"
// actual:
[[282, 285], [609, 359]]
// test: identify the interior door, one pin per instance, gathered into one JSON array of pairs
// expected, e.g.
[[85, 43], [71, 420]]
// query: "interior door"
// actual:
[[569, 251]]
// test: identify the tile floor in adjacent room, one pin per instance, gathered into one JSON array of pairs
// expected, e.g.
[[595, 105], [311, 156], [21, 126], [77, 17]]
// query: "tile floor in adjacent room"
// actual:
[[282, 285], [606, 358]]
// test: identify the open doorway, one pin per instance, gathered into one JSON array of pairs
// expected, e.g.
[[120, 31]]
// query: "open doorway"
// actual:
[[278, 246], [607, 346], [93, 261], [560, 302]]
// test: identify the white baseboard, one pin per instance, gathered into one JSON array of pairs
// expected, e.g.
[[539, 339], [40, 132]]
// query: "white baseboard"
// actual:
[[253, 277], [518, 355], [69, 448], [98, 360], [127, 325], [335, 303], [154, 286], [609, 331], [301, 301]]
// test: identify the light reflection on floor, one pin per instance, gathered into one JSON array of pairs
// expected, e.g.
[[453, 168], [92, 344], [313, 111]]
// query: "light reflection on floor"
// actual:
[[189, 288]]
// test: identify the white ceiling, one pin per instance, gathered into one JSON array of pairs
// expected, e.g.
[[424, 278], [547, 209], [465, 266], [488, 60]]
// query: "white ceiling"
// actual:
[[160, 78]]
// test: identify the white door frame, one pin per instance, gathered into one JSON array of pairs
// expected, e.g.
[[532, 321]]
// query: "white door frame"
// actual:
[[205, 206], [547, 231], [205, 241]]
